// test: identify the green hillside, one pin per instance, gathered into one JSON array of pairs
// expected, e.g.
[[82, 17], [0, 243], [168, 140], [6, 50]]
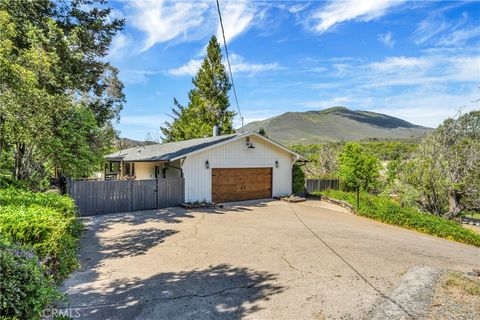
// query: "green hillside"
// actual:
[[336, 124]]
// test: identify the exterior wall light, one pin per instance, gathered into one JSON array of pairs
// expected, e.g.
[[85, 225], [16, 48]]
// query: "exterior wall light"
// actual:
[[276, 164], [207, 165]]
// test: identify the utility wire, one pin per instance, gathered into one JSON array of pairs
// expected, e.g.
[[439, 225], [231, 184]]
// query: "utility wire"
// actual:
[[228, 61], [378, 291]]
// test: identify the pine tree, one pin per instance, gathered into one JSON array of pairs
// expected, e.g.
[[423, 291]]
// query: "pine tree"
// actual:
[[208, 102]]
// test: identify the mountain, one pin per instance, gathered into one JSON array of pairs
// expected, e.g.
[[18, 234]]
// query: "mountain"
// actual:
[[336, 124], [125, 143]]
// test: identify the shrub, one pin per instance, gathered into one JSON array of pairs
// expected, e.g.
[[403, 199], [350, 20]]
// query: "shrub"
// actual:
[[46, 222], [20, 197], [298, 177], [25, 287], [389, 211]]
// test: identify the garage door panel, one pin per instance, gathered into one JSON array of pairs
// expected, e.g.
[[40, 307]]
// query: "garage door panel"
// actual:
[[236, 184]]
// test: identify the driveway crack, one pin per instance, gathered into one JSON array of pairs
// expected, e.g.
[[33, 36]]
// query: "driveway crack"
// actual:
[[288, 262], [348, 264]]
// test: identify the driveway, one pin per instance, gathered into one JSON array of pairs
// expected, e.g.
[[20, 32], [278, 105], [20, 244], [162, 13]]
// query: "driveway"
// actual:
[[252, 260]]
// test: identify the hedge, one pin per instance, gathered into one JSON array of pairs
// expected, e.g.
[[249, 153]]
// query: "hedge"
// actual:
[[45, 221], [39, 234], [391, 212]]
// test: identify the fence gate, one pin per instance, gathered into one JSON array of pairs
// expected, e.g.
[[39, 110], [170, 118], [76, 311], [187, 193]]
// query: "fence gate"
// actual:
[[101, 197], [321, 184]]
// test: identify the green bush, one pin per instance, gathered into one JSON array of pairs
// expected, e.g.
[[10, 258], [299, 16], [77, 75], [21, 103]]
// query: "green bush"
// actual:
[[389, 211], [298, 177], [25, 288], [20, 197], [45, 221]]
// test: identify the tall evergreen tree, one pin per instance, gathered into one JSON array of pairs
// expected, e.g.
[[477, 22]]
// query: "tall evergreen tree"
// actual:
[[208, 102]]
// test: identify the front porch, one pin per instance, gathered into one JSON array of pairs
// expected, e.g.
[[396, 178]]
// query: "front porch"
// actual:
[[141, 170]]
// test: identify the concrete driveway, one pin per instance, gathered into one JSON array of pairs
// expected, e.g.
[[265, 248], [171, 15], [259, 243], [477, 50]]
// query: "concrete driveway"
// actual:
[[253, 260]]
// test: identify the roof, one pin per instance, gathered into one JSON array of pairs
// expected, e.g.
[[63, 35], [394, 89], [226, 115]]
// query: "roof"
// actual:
[[176, 150]]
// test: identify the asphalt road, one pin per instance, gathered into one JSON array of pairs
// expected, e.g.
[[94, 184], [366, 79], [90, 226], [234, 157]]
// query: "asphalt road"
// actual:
[[252, 260]]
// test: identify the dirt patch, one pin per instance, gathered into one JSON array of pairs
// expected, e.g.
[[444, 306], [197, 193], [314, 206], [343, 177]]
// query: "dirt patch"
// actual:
[[456, 297]]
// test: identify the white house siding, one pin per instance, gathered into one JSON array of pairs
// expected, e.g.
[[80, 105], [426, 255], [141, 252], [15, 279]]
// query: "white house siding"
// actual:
[[146, 170], [198, 179]]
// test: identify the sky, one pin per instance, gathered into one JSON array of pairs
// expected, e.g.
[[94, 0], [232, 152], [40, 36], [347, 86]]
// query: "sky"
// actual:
[[416, 60]]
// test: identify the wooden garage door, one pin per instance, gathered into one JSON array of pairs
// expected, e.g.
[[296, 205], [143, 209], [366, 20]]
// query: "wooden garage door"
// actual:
[[236, 184]]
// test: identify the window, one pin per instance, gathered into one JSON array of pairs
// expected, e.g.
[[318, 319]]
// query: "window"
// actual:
[[127, 168], [111, 166]]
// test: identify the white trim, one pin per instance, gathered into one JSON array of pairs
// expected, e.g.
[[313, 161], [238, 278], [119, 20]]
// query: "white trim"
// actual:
[[242, 135]]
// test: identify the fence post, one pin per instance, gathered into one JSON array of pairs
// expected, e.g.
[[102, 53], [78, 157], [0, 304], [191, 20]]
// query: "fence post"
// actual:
[[131, 194]]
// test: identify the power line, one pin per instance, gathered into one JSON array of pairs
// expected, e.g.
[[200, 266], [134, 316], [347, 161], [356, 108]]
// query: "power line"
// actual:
[[228, 61]]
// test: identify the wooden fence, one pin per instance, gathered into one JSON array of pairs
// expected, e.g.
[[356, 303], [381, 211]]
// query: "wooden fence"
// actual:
[[321, 184], [101, 197]]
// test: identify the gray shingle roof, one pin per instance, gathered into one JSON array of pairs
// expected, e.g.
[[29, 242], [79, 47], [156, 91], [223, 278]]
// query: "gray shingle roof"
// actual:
[[167, 151]]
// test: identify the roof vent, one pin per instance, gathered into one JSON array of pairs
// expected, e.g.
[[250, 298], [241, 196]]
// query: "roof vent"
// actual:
[[139, 150], [215, 131]]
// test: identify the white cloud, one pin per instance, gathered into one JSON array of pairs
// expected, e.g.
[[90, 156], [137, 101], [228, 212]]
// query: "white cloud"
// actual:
[[387, 39], [411, 71], [239, 65], [190, 68], [398, 63], [136, 76], [427, 107], [423, 90], [428, 29], [118, 44], [424, 70], [164, 21], [439, 30], [334, 102], [341, 11], [237, 17], [459, 37], [298, 7]]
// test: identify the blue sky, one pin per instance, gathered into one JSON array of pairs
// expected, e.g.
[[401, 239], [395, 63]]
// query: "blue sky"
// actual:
[[417, 60]]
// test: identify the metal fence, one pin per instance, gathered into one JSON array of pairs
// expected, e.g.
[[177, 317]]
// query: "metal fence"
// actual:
[[321, 184], [101, 197]]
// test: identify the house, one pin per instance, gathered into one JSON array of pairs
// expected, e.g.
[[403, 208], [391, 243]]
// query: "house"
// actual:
[[220, 168]]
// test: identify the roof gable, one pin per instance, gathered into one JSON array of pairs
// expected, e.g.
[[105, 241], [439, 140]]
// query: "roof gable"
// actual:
[[166, 151], [243, 135], [176, 150]]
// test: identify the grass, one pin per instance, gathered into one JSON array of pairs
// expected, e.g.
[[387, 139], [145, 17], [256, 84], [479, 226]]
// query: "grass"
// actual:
[[475, 215], [388, 211], [458, 281]]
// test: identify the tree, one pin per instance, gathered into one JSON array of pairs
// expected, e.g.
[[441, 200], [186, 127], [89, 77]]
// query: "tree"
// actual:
[[208, 102], [323, 158], [358, 169], [328, 164], [298, 179], [55, 86], [446, 167]]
